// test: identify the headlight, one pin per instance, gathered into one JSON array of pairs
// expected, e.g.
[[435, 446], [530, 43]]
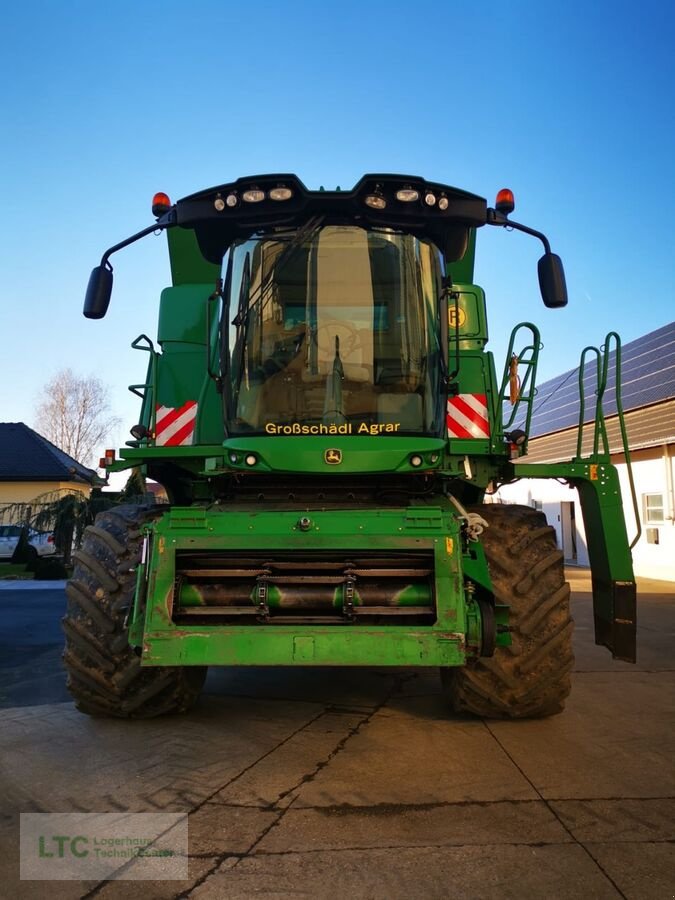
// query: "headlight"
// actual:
[[253, 196], [407, 195], [281, 193], [375, 201]]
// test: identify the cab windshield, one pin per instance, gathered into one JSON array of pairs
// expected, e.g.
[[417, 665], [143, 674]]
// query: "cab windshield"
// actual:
[[334, 331]]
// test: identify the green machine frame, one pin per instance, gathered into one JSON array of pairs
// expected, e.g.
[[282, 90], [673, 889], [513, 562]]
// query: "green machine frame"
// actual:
[[170, 621]]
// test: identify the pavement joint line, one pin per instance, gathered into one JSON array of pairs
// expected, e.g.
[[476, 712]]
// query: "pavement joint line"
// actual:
[[264, 807], [368, 809], [616, 844], [436, 846], [443, 846], [246, 854], [379, 847], [99, 887], [353, 731], [221, 858], [622, 671], [554, 812]]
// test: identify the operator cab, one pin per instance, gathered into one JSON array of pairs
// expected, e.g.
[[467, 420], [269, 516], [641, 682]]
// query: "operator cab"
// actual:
[[337, 325]]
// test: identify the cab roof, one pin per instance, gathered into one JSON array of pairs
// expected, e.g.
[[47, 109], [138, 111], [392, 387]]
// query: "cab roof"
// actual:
[[239, 209]]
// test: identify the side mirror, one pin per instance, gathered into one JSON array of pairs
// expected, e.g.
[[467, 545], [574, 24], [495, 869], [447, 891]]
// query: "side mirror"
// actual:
[[98, 293], [552, 281]]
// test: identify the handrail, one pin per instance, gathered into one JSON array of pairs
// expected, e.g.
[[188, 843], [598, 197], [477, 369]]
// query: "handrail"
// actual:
[[143, 342], [622, 423], [602, 356], [599, 429], [149, 346], [527, 390]]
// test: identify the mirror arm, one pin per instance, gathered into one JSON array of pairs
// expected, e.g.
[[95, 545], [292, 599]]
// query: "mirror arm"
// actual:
[[158, 226], [497, 218]]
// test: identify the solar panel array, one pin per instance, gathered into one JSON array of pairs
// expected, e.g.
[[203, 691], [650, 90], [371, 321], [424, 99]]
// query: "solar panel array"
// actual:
[[647, 376]]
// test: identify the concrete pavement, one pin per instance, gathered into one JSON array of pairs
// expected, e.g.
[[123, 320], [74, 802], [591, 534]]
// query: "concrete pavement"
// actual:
[[343, 782], [31, 643]]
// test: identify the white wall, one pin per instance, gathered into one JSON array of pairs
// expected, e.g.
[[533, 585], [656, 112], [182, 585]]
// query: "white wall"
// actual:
[[650, 475]]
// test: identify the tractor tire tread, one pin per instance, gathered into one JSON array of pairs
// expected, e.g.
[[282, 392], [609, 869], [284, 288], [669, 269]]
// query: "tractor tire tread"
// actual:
[[531, 678], [105, 675]]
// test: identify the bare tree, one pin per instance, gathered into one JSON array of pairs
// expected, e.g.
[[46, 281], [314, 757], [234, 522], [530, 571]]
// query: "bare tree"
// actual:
[[75, 414]]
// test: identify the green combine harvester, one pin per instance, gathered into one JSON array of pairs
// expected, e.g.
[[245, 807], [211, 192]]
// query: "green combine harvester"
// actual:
[[328, 426]]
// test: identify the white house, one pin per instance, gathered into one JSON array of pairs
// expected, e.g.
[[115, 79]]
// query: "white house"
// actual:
[[648, 392]]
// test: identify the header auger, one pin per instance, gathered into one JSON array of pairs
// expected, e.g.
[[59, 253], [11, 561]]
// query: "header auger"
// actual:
[[324, 416]]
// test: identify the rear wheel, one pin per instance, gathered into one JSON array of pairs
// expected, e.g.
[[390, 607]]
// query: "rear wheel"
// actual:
[[105, 676], [531, 678]]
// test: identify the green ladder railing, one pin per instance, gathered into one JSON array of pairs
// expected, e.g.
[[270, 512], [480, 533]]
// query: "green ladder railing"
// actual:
[[147, 391], [600, 441], [528, 358]]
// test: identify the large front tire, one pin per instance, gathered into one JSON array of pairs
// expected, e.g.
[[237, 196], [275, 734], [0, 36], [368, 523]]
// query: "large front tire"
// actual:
[[531, 678], [105, 676]]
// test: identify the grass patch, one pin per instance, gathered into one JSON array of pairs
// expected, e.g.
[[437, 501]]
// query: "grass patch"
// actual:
[[15, 571]]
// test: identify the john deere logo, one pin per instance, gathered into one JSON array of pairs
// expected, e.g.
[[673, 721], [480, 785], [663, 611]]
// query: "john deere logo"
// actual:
[[333, 457]]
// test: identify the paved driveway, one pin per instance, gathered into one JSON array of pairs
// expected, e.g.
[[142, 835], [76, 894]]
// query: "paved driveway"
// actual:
[[328, 783]]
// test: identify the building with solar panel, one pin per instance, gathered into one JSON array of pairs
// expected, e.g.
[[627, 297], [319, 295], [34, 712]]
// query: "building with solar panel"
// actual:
[[648, 394]]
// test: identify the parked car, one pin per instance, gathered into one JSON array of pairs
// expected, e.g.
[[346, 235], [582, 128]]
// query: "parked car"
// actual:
[[41, 541]]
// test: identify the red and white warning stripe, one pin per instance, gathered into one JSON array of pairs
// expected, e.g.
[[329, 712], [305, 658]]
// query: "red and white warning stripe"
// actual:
[[467, 416], [175, 425]]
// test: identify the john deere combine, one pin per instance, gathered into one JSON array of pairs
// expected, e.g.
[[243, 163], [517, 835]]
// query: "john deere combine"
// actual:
[[326, 421]]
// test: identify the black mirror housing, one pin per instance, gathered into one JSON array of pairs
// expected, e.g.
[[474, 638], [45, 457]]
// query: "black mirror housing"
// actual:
[[552, 281], [98, 293]]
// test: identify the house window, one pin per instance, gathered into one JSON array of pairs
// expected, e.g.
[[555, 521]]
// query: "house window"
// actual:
[[653, 509]]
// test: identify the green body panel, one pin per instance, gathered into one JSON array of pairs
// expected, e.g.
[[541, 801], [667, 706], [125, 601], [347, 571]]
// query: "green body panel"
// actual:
[[476, 368], [477, 376], [182, 314], [308, 454], [287, 645], [181, 367], [187, 263], [432, 529], [468, 309], [462, 270], [602, 506]]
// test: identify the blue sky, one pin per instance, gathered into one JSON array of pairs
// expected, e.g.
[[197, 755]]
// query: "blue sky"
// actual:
[[571, 105]]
